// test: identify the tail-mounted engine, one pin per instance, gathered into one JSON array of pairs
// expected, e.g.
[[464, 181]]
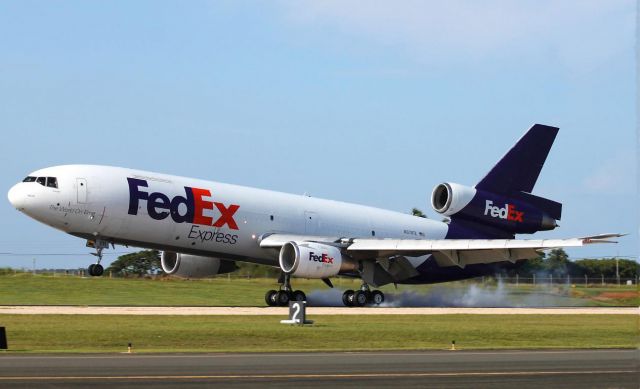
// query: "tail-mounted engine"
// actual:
[[314, 260], [519, 212]]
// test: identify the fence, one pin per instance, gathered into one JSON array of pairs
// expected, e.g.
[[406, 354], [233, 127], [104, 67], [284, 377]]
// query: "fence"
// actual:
[[549, 279]]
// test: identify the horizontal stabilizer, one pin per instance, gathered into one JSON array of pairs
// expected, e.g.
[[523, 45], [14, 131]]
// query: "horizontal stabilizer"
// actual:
[[550, 207]]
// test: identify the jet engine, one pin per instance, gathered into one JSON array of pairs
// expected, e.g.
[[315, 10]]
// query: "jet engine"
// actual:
[[515, 212], [193, 266], [314, 260], [449, 198]]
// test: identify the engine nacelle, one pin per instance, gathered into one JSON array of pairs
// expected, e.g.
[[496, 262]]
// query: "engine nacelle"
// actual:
[[449, 198], [314, 260], [193, 266], [516, 213]]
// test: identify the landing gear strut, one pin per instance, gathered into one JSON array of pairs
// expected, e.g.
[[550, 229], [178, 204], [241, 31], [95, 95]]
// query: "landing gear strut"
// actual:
[[96, 269], [281, 297], [362, 297]]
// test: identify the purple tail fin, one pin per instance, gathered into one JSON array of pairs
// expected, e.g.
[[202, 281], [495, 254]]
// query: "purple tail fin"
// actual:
[[502, 204], [519, 169], [517, 172]]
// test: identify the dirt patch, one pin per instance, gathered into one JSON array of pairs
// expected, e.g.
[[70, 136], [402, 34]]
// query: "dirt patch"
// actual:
[[618, 295]]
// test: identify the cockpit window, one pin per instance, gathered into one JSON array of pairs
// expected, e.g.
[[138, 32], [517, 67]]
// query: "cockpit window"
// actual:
[[52, 182], [49, 182]]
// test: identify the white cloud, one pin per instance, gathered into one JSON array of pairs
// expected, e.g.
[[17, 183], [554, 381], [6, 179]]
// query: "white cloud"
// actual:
[[578, 34]]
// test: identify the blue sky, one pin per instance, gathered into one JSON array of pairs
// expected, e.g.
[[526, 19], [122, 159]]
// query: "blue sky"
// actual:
[[367, 102]]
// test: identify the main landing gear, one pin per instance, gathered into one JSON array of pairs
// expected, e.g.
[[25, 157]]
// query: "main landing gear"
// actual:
[[362, 297], [281, 297], [96, 269]]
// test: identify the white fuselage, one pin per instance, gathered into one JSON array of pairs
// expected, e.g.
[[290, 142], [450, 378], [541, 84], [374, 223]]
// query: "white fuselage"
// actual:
[[215, 219]]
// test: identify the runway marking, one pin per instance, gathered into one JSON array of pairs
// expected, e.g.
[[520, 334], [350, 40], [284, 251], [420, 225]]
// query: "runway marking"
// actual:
[[317, 355], [312, 376]]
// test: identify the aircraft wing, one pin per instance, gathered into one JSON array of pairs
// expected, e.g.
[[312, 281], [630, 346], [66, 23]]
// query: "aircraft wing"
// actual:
[[447, 252], [462, 252]]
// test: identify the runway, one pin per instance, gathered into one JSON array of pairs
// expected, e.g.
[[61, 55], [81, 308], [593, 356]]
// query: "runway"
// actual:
[[444, 369], [280, 311]]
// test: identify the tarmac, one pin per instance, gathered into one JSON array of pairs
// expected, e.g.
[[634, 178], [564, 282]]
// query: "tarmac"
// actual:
[[283, 311], [442, 369]]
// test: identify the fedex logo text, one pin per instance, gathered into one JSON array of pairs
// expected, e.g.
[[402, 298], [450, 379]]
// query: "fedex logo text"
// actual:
[[159, 206], [324, 258], [509, 212]]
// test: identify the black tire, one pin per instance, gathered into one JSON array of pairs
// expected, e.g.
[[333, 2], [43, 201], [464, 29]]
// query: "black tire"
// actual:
[[98, 270], [359, 298], [283, 297], [377, 297], [298, 295], [270, 298], [90, 269], [347, 297]]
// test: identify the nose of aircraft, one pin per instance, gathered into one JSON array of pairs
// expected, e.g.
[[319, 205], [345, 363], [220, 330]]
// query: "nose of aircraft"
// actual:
[[17, 196]]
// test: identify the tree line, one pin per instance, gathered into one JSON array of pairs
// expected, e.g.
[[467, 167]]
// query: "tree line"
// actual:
[[557, 263]]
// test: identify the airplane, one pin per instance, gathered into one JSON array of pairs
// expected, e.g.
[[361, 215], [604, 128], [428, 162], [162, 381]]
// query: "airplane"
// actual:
[[204, 227]]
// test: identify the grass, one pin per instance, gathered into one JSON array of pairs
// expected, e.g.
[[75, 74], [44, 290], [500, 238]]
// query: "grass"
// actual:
[[111, 333], [28, 289]]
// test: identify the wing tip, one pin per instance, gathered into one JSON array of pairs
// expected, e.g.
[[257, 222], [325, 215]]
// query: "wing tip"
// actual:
[[602, 238]]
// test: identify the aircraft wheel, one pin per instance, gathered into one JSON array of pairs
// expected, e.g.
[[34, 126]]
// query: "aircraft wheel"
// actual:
[[377, 297], [347, 297], [298, 295], [95, 270], [98, 270], [360, 298], [270, 298], [282, 297]]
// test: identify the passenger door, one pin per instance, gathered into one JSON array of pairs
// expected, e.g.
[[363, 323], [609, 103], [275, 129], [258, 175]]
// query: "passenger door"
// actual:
[[81, 185]]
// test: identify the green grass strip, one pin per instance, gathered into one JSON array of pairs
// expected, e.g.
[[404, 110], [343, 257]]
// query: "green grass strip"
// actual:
[[26, 289], [111, 333]]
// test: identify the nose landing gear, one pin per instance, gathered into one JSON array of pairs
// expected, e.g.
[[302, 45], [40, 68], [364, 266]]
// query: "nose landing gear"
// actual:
[[96, 269]]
